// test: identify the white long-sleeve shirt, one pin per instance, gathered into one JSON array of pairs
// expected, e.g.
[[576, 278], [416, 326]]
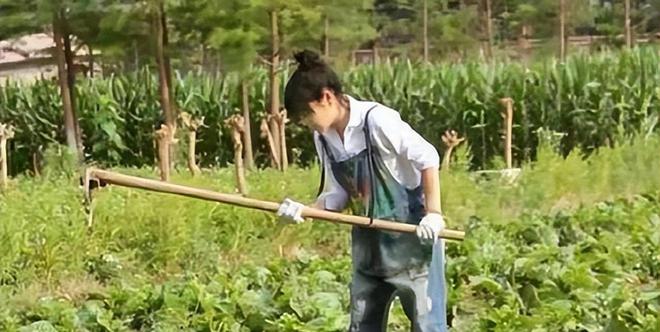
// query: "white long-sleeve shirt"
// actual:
[[404, 152]]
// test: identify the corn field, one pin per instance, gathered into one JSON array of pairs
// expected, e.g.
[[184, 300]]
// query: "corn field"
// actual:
[[592, 100]]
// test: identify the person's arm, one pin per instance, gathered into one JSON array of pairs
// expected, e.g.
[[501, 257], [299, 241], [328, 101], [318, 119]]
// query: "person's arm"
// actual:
[[433, 222], [333, 197], [397, 136], [431, 185]]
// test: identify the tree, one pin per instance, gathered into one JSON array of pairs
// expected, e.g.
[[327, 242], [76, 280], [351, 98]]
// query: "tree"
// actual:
[[345, 25], [72, 24], [193, 23], [243, 33], [58, 12], [453, 31], [488, 18], [627, 27], [142, 26], [255, 28], [562, 30], [123, 33], [76, 21], [237, 38], [425, 14], [84, 24], [18, 18], [160, 31], [448, 31], [542, 20]]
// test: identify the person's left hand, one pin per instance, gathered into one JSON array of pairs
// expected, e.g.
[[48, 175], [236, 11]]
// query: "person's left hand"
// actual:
[[290, 212], [430, 227]]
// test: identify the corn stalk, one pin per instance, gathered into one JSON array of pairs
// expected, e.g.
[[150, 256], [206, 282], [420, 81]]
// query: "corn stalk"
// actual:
[[590, 99]]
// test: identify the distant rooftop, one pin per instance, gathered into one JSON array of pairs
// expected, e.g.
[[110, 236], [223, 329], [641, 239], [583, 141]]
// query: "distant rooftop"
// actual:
[[30, 56]]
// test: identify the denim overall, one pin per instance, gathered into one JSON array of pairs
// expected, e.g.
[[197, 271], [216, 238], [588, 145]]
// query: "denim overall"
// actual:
[[388, 264]]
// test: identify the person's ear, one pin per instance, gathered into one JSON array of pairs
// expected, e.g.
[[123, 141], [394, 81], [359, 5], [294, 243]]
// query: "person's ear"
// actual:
[[327, 97]]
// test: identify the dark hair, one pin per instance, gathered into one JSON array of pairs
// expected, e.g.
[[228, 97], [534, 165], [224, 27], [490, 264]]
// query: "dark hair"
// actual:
[[307, 83]]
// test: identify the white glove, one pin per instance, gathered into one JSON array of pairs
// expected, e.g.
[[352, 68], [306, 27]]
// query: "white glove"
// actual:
[[430, 227], [290, 212]]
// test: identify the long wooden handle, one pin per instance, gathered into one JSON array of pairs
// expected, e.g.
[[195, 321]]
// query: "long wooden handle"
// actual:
[[164, 187]]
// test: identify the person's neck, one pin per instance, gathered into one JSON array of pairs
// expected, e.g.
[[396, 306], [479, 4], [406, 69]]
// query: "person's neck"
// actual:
[[343, 118]]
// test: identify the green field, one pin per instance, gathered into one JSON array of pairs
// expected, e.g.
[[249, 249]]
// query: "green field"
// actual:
[[566, 91], [573, 245]]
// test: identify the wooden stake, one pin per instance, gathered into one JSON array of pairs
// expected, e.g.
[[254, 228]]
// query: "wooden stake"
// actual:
[[247, 135], [282, 120], [507, 114], [6, 133], [236, 124], [451, 140], [164, 137], [265, 133], [35, 164], [192, 125], [192, 163], [308, 212]]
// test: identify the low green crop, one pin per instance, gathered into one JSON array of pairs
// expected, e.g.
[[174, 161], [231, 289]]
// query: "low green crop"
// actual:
[[574, 245]]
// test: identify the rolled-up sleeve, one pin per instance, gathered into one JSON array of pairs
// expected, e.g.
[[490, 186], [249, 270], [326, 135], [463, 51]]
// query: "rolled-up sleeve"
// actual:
[[333, 197], [396, 136]]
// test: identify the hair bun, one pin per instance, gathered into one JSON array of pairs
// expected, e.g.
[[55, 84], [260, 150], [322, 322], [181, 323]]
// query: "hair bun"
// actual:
[[308, 59]]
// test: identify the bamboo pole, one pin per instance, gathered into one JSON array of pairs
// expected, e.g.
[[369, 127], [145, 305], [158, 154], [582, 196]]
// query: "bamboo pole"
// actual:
[[6, 133], [308, 212]]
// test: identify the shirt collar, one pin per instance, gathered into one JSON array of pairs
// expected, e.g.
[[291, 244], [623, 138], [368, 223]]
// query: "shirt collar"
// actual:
[[357, 109]]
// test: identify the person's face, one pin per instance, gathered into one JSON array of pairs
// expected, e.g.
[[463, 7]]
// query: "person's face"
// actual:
[[324, 112]]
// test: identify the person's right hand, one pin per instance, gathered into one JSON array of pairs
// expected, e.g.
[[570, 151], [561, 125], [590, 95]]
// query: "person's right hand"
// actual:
[[290, 212]]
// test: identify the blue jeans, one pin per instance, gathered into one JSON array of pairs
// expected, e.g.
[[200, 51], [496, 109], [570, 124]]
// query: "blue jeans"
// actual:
[[421, 291]]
